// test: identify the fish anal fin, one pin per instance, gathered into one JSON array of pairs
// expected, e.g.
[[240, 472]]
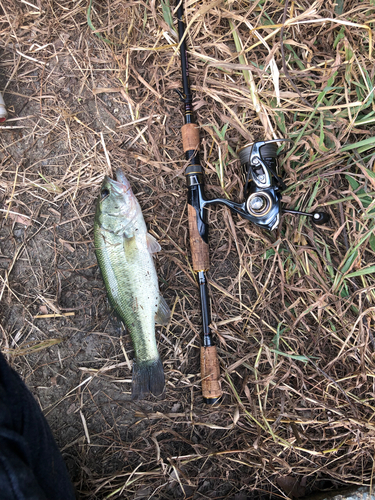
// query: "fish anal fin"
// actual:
[[163, 314], [152, 244]]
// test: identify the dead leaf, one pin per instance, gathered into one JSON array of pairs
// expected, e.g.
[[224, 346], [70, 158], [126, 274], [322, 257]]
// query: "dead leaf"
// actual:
[[21, 219]]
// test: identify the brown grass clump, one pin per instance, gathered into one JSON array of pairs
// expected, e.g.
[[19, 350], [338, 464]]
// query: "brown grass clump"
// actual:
[[292, 310]]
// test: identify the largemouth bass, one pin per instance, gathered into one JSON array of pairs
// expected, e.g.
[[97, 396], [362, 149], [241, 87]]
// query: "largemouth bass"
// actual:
[[351, 493], [124, 251]]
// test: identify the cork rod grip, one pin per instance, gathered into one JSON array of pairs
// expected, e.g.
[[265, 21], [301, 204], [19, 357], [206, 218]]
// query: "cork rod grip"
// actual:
[[210, 372], [199, 248], [190, 137]]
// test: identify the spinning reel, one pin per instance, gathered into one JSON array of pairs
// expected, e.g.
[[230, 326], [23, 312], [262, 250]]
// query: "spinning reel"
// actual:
[[262, 190]]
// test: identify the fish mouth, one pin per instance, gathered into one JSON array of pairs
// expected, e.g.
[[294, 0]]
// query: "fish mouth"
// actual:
[[119, 185], [120, 177]]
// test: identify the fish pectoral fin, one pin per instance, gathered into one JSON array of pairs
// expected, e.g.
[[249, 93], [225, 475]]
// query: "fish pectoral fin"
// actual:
[[152, 244], [163, 314]]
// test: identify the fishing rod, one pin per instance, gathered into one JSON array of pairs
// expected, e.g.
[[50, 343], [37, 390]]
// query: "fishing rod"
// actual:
[[198, 227], [261, 206]]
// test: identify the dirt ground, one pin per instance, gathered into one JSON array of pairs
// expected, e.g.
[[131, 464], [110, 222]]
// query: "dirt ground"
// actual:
[[293, 326]]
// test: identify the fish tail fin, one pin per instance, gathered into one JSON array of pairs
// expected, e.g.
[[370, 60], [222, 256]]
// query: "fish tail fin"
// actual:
[[148, 377]]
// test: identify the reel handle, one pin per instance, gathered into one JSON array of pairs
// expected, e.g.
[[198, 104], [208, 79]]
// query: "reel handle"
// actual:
[[318, 218]]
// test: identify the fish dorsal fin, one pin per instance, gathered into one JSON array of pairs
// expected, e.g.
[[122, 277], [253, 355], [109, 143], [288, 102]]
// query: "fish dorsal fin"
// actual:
[[152, 244], [163, 314]]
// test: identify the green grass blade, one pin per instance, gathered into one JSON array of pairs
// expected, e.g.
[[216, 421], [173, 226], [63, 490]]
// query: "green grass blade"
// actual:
[[92, 27], [167, 15], [361, 272], [361, 145]]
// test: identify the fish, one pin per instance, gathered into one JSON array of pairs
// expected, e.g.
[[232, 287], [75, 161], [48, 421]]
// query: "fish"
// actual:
[[124, 251], [353, 492]]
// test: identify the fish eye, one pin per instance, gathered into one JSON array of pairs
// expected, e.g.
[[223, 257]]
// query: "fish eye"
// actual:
[[104, 193]]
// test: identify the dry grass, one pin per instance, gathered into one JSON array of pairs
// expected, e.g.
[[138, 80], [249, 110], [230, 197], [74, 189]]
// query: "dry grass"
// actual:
[[293, 310]]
